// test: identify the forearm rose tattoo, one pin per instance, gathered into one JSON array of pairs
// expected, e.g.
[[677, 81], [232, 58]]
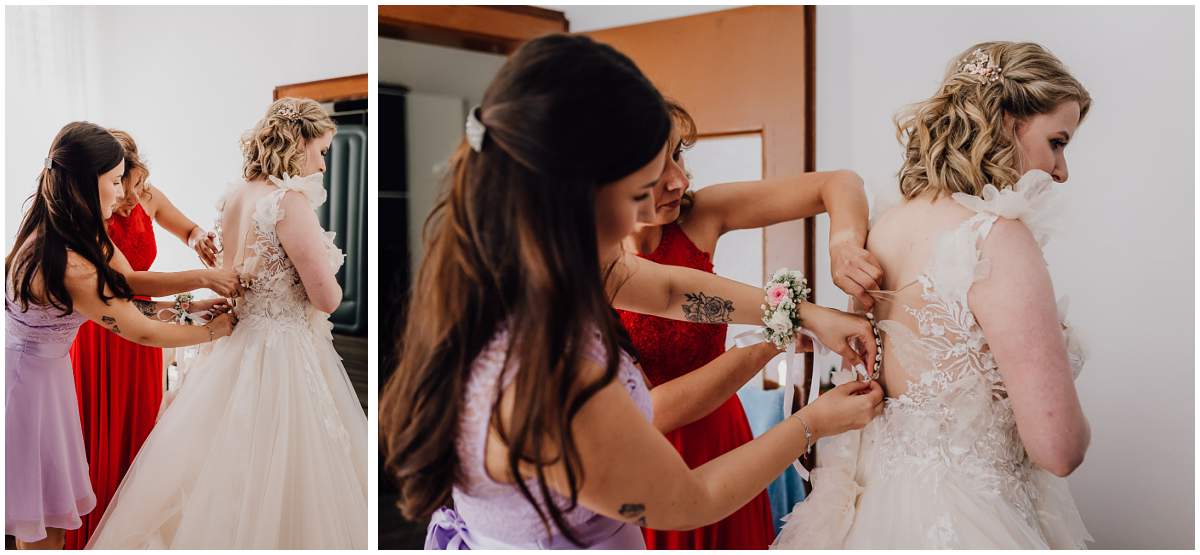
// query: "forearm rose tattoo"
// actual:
[[149, 308], [706, 309]]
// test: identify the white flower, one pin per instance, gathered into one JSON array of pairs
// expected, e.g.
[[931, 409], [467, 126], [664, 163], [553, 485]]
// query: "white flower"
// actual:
[[780, 322]]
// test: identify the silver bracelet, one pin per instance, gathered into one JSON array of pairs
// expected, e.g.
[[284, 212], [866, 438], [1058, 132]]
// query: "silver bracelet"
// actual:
[[808, 436]]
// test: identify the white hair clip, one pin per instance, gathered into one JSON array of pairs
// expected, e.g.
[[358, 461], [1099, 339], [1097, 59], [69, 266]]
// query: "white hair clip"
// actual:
[[47, 163], [980, 63], [287, 112], [475, 130]]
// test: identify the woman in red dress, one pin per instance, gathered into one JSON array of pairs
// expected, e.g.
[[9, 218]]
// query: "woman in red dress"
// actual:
[[694, 380], [120, 383]]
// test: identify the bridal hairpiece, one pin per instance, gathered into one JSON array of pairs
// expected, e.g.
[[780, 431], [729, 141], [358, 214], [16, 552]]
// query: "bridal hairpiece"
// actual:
[[475, 130], [289, 113], [980, 63]]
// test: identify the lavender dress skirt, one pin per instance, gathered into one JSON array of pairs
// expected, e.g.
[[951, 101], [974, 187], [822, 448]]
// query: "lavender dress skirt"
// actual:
[[46, 483]]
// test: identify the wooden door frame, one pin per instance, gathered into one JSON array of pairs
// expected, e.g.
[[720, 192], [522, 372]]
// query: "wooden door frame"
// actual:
[[351, 87], [492, 29]]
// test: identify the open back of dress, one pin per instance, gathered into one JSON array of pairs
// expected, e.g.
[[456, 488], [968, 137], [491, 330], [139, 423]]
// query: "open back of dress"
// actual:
[[944, 466], [265, 445]]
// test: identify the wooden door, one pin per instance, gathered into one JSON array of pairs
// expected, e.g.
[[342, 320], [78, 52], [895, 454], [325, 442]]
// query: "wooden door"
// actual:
[[746, 76]]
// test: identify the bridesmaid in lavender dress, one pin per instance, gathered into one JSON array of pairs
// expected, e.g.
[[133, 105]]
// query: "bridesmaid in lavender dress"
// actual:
[[517, 397], [58, 276]]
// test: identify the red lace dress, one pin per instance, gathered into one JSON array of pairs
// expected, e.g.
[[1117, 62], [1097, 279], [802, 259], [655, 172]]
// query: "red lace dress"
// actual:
[[669, 349], [119, 383]]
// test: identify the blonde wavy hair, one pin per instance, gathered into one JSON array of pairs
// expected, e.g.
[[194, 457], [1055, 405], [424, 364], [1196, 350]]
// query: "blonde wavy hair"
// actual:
[[134, 182], [276, 144], [964, 137]]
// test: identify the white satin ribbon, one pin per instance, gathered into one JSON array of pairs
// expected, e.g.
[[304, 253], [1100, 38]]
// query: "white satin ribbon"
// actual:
[[793, 374], [197, 318]]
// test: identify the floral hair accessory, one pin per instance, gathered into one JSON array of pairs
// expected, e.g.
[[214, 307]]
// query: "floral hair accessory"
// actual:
[[981, 64], [289, 113]]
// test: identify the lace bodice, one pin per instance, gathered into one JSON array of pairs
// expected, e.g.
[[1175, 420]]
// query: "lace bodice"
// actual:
[[41, 329], [955, 415], [134, 235], [272, 286]]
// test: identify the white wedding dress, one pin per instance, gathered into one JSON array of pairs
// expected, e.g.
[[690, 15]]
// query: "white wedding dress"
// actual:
[[944, 466], [264, 446]]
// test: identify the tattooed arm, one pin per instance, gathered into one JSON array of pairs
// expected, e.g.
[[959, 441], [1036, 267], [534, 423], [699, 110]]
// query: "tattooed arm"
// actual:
[[126, 319], [633, 474], [158, 310], [679, 293]]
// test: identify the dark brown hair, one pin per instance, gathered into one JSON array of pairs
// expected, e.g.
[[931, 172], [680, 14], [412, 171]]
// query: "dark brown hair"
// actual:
[[65, 215], [511, 243]]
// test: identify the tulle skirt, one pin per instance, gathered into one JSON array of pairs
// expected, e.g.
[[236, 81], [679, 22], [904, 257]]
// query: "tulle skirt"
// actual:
[[918, 505], [264, 446]]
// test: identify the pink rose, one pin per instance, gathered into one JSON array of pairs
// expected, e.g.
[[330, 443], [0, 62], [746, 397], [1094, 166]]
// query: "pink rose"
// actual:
[[775, 294]]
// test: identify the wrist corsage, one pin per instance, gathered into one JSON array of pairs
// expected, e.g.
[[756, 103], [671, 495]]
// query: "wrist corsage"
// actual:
[[181, 314], [781, 315]]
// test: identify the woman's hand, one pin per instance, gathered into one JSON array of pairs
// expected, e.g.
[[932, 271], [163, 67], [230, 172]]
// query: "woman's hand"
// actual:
[[848, 335], [854, 269], [224, 282], [849, 406], [222, 325], [204, 243], [219, 305]]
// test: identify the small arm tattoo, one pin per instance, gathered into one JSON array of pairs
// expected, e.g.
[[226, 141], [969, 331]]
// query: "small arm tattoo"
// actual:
[[149, 308], [706, 309], [111, 323], [635, 512]]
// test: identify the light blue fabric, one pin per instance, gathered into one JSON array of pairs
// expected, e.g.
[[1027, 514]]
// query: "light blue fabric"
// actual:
[[764, 409]]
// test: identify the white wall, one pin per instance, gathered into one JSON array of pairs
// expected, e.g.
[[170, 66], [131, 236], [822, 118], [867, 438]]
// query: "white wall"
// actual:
[[1125, 253], [441, 70], [186, 82], [434, 128], [443, 84]]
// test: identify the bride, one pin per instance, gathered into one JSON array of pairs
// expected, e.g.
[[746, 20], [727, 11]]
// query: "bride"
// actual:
[[265, 444], [981, 420]]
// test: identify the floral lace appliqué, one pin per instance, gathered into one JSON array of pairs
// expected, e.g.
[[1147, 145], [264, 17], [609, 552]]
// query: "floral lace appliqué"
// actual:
[[274, 297]]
